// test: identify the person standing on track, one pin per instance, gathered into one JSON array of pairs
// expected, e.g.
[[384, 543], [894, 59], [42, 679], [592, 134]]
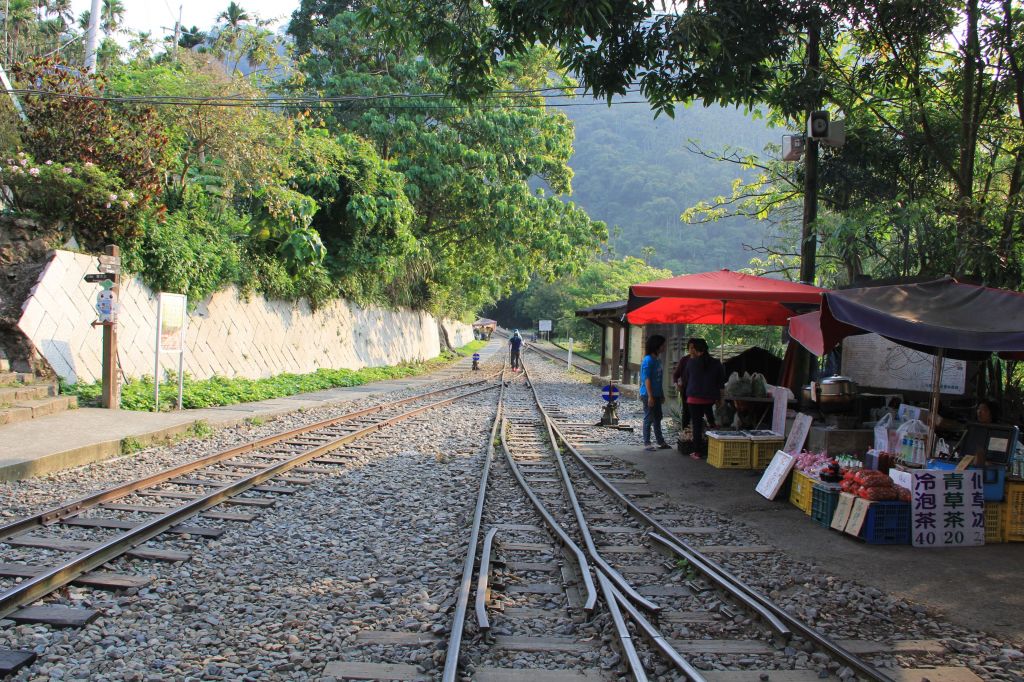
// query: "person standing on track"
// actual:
[[704, 377], [515, 344], [652, 392]]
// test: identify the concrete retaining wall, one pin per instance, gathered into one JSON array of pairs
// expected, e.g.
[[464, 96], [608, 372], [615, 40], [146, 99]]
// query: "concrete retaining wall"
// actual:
[[225, 336]]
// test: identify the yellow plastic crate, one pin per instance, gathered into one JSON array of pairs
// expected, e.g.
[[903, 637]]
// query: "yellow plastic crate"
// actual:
[[728, 452], [762, 452], [801, 491], [1013, 512], [994, 523]]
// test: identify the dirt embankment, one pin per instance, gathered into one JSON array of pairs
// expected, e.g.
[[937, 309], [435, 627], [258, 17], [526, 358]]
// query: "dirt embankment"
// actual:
[[24, 251]]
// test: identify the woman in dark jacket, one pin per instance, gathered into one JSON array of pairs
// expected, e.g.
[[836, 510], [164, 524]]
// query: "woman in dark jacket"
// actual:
[[704, 377]]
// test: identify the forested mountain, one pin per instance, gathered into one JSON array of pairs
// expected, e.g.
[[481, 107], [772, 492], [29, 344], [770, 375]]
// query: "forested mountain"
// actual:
[[635, 173]]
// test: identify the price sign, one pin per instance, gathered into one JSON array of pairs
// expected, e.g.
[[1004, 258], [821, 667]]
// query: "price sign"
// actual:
[[948, 508], [775, 475]]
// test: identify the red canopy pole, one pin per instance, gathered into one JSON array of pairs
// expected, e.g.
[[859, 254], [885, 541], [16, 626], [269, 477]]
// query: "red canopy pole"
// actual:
[[721, 348]]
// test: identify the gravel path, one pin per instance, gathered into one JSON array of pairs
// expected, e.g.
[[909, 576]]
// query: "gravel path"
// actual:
[[840, 607], [378, 546], [375, 546]]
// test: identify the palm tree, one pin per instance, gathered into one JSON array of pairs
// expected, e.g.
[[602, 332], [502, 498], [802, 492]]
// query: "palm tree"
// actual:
[[62, 10], [142, 44], [191, 37], [234, 15], [21, 15], [111, 16]]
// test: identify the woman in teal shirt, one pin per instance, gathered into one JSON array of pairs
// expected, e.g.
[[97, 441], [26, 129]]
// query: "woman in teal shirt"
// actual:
[[652, 392]]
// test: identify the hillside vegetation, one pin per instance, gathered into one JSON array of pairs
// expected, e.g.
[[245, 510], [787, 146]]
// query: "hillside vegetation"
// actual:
[[638, 174]]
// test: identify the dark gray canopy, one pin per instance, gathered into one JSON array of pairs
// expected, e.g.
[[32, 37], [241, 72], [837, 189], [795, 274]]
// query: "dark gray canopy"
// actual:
[[964, 320]]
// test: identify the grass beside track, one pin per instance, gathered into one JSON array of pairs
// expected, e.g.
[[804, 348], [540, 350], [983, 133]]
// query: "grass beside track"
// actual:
[[578, 349], [137, 394]]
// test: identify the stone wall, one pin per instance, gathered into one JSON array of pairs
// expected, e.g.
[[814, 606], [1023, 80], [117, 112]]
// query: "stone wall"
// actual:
[[226, 335]]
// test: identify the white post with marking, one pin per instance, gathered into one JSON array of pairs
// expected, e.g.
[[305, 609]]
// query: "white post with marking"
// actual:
[[569, 361]]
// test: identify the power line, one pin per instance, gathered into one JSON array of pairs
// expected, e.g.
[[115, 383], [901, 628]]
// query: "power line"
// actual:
[[384, 101]]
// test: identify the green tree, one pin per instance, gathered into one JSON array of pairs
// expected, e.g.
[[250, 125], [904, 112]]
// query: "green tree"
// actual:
[[600, 281], [123, 143], [481, 230], [192, 37], [234, 16], [111, 17]]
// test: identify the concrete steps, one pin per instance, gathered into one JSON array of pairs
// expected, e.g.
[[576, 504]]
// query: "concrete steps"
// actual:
[[22, 398]]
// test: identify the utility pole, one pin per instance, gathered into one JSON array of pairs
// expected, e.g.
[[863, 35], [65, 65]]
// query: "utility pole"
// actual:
[[91, 36], [177, 32], [809, 233], [804, 362]]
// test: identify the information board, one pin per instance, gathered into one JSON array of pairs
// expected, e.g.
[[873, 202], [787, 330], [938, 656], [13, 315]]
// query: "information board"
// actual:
[[948, 508], [872, 360], [775, 475], [170, 338], [543, 325], [171, 314]]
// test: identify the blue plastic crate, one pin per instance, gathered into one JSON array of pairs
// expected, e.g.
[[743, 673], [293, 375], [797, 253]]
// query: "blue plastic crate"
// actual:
[[824, 500], [887, 523], [993, 476], [995, 482]]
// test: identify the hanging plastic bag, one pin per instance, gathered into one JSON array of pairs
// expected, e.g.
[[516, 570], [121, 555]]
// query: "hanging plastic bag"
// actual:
[[882, 428], [912, 436]]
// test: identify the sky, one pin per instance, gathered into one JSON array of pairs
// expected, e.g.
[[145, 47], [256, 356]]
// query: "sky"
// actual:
[[158, 16]]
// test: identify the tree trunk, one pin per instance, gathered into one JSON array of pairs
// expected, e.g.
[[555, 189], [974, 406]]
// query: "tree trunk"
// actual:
[[966, 220]]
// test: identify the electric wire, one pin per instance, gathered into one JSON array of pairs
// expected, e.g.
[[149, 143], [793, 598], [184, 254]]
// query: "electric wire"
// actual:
[[548, 97]]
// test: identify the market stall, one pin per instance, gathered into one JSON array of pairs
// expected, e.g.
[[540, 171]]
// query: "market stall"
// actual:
[[728, 298], [908, 488], [483, 328]]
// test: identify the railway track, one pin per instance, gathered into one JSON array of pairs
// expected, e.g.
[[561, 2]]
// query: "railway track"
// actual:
[[669, 603], [548, 355], [68, 543]]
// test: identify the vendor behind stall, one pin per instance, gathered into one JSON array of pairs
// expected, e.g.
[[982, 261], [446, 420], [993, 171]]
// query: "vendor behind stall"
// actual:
[[976, 441]]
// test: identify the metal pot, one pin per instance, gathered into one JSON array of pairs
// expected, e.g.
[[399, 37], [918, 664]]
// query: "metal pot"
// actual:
[[837, 386], [835, 393]]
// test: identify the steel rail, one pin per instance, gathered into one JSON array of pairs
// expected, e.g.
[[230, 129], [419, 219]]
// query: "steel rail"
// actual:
[[556, 528], [451, 663], [612, 596], [552, 356], [32, 589], [694, 556], [660, 641], [581, 520], [57, 513], [832, 647], [778, 618], [483, 579]]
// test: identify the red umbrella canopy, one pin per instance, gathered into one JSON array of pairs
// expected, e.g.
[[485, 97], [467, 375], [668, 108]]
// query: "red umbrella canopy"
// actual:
[[697, 299]]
